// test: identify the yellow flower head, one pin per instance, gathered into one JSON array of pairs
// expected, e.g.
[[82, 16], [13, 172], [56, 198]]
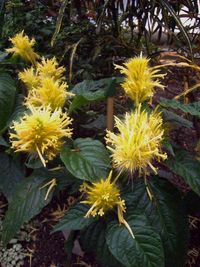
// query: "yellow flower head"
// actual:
[[138, 141], [49, 93], [102, 196], [49, 68], [41, 132], [30, 78], [140, 79], [22, 46]]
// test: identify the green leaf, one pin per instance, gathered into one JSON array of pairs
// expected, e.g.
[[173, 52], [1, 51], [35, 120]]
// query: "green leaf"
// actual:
[[7, 98], [64, 179], [78, 102], [192, 108], [18, 110], [74, 219], [28, 201], [93, 241], [88, 160], [176, 119], [165, 213], [145, 250], [185, 165], [33, 163], [10, 175], [98, 123], [89, 91], [3, 142], [168, 146]]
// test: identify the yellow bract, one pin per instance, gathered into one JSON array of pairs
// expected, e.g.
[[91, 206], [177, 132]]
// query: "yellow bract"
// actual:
[[45, 84], [49, 68], [140, 79], [138, 141], [49, 93], [41, 132], [30, 78], [22, 46], [103, 196]]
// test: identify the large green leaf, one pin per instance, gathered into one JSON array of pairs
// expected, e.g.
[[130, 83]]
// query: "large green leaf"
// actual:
[[18, 110], [185, 165], [7, 98], [144, 250], [165, 213], [192, 108], [172, 117], [28, 201], [74, 219], [10, 175], [93, 240], [89, 91], [88, 160]]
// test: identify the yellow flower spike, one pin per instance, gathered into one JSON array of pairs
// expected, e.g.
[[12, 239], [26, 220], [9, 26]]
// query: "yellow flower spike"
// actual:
[[138, 141], [23, 47], [41, 132], [103, 196], [29, 78], [49, 93], [140, 79], [49, 68]]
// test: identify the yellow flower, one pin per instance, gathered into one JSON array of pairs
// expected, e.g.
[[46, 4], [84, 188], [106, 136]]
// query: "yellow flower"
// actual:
[[49, 93], [41, 132], [140, 79], [102, 196], [49, 68], [138, 141], [30, 78], [22, 46]]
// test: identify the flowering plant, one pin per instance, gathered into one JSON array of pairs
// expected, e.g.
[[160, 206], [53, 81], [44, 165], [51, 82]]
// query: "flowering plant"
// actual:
[[127, 211]]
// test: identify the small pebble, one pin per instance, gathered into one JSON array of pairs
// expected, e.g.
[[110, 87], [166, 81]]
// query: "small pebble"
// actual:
[[13, 241], [21, 263], [21, 257]]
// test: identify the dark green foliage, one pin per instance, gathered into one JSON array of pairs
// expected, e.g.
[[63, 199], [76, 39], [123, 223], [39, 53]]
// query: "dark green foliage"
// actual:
[[74, 219], [28, 200], [87, 160], [7, 99]]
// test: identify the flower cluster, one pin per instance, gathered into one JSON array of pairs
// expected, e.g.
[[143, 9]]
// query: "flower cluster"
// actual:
[[23, 47], [140, 79], [42, 129], [46, 85], [41, 132], [102, 196], [138, 141]]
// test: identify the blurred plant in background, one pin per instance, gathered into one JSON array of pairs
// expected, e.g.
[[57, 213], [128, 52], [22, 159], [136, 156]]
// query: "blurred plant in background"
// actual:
[[87, 31]]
